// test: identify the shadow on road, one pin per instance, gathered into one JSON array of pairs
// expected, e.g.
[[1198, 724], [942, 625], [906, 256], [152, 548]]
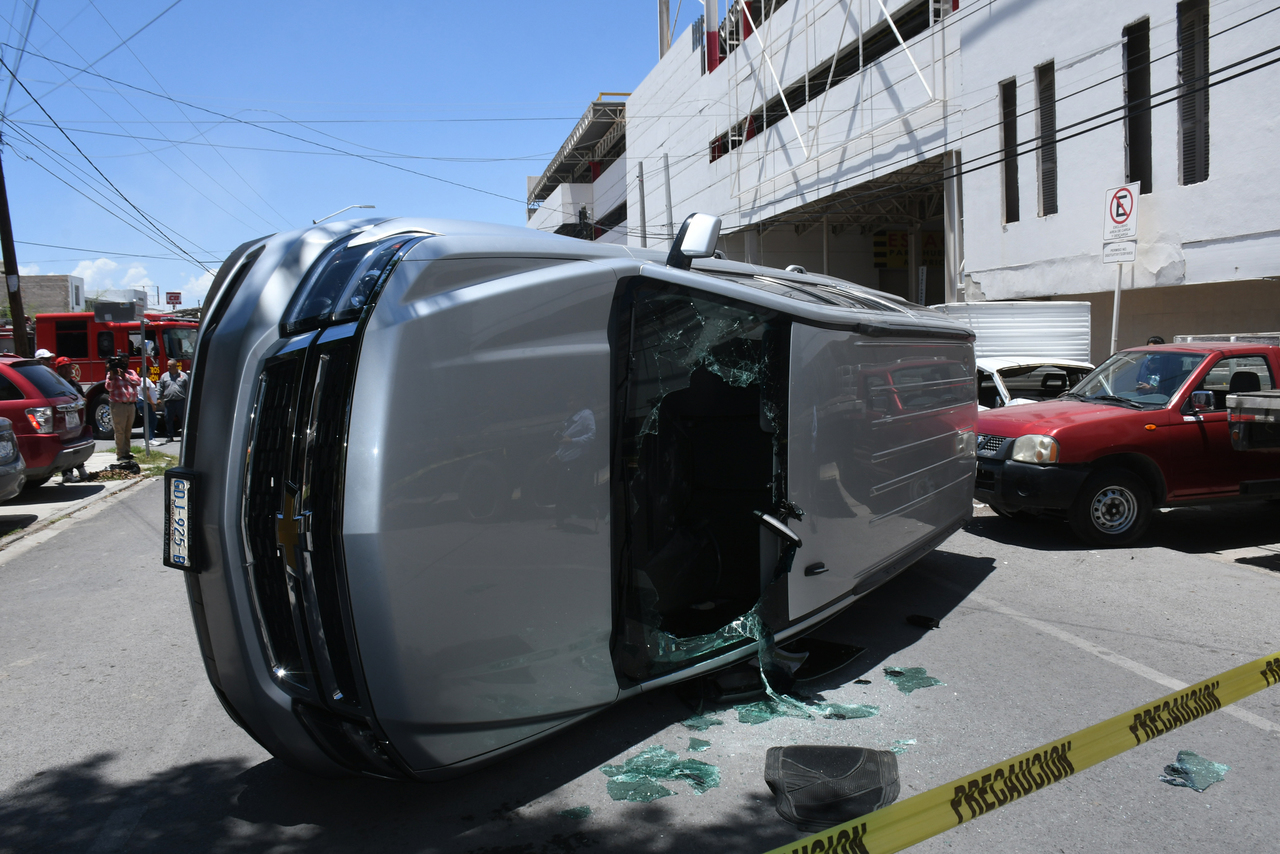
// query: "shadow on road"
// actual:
[[15, 522], [228, 806], [1205, 529], [56, 494]]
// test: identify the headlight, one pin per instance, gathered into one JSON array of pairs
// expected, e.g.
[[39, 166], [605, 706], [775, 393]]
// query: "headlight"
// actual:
[[966, 444], [1035, 449], [41, 418]]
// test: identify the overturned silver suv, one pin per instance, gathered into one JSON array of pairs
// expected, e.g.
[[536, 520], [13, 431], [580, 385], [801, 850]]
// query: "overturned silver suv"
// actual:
[[447, 487]]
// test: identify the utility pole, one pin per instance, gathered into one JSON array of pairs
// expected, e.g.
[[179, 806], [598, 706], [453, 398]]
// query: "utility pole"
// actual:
[[20, 343]]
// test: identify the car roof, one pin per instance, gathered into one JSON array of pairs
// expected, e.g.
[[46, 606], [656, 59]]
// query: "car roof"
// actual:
[[1000, 363], [1227, 347]]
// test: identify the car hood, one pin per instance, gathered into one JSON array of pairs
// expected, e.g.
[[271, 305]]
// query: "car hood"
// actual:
[[1049, 417]]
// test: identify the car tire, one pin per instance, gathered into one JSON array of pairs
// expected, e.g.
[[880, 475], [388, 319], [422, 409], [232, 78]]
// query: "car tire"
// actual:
[[100, 417], [1112, 509]]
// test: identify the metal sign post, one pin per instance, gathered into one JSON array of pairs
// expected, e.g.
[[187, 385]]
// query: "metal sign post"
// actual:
[[146, 396], [1119, 242]]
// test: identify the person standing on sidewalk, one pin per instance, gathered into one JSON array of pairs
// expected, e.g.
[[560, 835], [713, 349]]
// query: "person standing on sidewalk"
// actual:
[[147, 394], [173, 391], [122, 390], [68, 371]]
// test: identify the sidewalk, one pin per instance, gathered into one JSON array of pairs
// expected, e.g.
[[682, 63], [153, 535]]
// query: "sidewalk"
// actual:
[[35, 509]]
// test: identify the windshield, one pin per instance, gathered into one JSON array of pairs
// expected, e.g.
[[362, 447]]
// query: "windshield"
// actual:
[[180, 343], [1144, 379]]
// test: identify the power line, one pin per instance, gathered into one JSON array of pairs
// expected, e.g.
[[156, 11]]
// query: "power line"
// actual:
[[183, 151], [304, 140], [539, 157], [123, 42], [26, 36], [100, 252], [100, 172]]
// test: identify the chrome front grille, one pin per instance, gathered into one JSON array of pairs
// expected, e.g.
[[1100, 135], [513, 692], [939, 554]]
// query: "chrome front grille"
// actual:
[[293, 521]]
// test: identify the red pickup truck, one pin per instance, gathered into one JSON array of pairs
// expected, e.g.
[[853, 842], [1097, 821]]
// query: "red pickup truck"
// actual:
[[1147, 429]]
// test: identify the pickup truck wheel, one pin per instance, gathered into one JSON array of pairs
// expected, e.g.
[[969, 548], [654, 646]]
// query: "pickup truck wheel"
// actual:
[[100, 415], [1112, 509]]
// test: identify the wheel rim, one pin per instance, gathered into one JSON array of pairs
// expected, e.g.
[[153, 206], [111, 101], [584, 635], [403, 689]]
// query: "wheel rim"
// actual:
[[103, 416], [1114, 510]]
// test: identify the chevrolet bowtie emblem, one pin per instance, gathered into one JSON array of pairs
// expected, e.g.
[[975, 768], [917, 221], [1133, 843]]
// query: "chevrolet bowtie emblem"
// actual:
[[291, 529]]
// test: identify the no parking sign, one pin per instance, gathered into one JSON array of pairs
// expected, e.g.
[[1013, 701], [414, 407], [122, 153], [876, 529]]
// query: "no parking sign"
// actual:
[[1120, 221]]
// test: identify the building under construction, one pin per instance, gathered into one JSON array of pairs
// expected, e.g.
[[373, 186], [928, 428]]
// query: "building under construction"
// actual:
[[945, 150]]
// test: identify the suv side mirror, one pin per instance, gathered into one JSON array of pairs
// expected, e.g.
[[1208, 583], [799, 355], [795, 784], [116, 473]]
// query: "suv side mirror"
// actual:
[[697, 239], [1199, 402]]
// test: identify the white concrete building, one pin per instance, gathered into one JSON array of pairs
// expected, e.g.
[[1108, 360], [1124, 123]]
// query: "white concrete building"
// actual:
[[964, 150]]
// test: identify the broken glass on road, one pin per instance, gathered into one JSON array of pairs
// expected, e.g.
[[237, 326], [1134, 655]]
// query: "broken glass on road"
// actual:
[[640, 778]]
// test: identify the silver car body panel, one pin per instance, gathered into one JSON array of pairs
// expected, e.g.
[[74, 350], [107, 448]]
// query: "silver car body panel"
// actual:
[[473, 625]]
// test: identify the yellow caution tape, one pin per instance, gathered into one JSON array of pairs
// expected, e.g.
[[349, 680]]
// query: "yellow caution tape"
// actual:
[[927, 814]]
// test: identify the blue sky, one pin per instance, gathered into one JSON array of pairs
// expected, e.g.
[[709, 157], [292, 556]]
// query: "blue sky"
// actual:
[[225, 120]]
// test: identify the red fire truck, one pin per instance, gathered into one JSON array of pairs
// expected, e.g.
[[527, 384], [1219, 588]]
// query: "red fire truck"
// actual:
[[88, 343]]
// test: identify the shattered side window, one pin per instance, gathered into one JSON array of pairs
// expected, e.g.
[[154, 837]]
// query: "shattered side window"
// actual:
[[701, 387]]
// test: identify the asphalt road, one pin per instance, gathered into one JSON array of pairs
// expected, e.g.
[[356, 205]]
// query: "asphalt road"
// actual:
[[111, 739]]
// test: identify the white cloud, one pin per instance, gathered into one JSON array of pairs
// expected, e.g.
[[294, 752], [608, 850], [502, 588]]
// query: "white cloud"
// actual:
[[136, 277], [195, 290], [98, 275], [28, 269]]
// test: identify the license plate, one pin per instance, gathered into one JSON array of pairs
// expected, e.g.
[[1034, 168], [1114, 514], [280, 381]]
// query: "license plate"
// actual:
[[73, 419], [179, 518]]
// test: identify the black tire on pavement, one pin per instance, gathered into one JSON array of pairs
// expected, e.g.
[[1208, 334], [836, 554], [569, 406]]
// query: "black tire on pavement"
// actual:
[[1112, 509], [100, 416]]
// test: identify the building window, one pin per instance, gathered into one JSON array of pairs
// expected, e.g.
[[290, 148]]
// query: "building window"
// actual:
[[1009, 144], [1047, 139], [1193, 95], [1137, 104]]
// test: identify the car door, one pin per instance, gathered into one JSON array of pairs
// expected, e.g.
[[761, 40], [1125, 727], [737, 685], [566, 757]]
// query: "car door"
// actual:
[[875, 476], [1199, 459]]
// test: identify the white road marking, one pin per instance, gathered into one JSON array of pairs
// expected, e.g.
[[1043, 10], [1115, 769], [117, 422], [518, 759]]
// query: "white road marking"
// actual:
[[1117, 659]]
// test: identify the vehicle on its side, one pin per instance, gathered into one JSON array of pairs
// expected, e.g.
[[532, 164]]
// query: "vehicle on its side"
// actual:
[[1149, 428], [89, 343], [47, 414], [453, 487], [13, 471], [1015, 380]]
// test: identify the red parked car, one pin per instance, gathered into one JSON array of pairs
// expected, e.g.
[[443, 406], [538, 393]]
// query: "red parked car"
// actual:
[[48, 418], [1147, 429]]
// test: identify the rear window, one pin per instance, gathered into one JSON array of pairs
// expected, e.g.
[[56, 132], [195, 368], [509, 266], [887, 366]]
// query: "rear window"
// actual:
[[45, 380]]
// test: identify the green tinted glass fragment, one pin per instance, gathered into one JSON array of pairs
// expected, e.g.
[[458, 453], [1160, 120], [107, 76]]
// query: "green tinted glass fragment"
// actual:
[[640, 789], [576, 813], [841, 712], [900, 745], [909, 679], [702, 723], [763, 711], [697, 745], [1194, 772], [638, 778]]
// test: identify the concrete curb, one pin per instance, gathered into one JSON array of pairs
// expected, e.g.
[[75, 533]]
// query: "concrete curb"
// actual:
[[41, 524]]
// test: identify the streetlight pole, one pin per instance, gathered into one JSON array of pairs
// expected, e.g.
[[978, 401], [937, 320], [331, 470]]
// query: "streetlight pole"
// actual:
[[20, 343]]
